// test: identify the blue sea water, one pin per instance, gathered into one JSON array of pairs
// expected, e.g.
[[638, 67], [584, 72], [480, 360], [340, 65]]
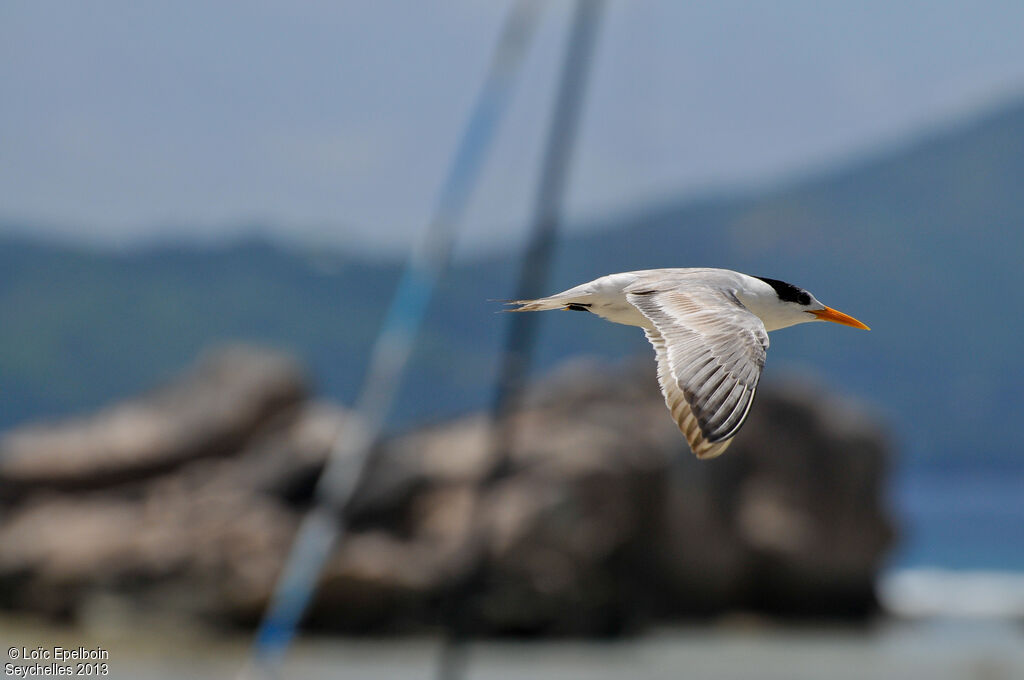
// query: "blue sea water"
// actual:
[[959, 552], [959, 516]]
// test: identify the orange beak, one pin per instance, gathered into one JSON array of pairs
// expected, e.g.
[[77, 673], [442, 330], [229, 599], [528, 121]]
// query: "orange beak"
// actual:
[[834, 315]]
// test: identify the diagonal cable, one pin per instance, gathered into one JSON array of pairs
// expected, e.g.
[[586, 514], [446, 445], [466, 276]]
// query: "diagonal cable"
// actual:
[[522, 329], [323, 526]]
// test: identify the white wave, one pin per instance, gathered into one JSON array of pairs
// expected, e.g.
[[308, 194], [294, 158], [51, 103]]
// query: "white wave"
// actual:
[[927, 593]]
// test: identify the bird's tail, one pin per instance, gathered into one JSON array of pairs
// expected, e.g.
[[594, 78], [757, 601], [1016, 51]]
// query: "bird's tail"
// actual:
[[541, 304], [537, 305]]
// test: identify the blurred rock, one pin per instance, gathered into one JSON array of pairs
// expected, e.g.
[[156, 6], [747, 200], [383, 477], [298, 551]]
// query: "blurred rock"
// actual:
[[602, 521], [211, 411]]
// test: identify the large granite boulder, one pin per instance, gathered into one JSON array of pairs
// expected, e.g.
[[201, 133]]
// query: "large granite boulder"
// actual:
[[186, 501], [211, 411]]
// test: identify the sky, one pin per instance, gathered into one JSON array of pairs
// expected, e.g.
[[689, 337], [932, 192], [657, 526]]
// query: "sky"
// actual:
[[135, 120]]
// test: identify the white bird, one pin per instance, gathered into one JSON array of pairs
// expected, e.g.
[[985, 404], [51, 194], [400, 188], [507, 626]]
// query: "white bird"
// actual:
[[709, 329]]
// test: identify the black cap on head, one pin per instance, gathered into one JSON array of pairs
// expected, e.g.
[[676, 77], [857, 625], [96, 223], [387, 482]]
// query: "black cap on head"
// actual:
[[787, 292]]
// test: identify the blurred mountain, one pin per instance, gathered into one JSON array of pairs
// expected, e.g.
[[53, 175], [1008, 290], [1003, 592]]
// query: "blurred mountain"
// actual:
[[923, 243]]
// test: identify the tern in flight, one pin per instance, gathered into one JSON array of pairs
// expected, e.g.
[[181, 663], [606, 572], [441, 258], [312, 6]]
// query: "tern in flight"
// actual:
[[709, 328]]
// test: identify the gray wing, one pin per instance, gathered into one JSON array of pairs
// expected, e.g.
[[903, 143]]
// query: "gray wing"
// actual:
[[710, 351]]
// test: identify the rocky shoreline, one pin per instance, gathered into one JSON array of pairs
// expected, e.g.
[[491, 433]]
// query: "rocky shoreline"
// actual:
[[185, 501]]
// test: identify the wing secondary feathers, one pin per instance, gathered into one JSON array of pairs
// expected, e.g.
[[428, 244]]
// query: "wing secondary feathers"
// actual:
[[710, 351]]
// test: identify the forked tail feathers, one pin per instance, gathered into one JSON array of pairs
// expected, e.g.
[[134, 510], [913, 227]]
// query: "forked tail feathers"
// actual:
[[542, 304]]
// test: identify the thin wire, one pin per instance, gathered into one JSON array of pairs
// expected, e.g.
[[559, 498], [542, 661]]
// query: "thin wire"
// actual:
[[522, 329], [554, 178], [323, 526]]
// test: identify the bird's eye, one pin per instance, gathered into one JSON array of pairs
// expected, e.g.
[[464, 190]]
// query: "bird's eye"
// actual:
[[804, 299]]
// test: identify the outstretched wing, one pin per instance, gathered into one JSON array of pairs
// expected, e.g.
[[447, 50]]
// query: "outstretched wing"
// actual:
[[710, 351]]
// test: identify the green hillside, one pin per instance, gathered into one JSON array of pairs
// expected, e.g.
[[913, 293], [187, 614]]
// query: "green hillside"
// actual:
[[79, 328], [923, 244]]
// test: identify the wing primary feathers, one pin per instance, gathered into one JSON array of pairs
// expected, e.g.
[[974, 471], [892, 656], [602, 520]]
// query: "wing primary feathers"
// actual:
[[710, 351]]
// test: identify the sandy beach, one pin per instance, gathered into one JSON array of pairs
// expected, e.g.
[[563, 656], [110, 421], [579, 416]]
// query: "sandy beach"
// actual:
[[937, 650]]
